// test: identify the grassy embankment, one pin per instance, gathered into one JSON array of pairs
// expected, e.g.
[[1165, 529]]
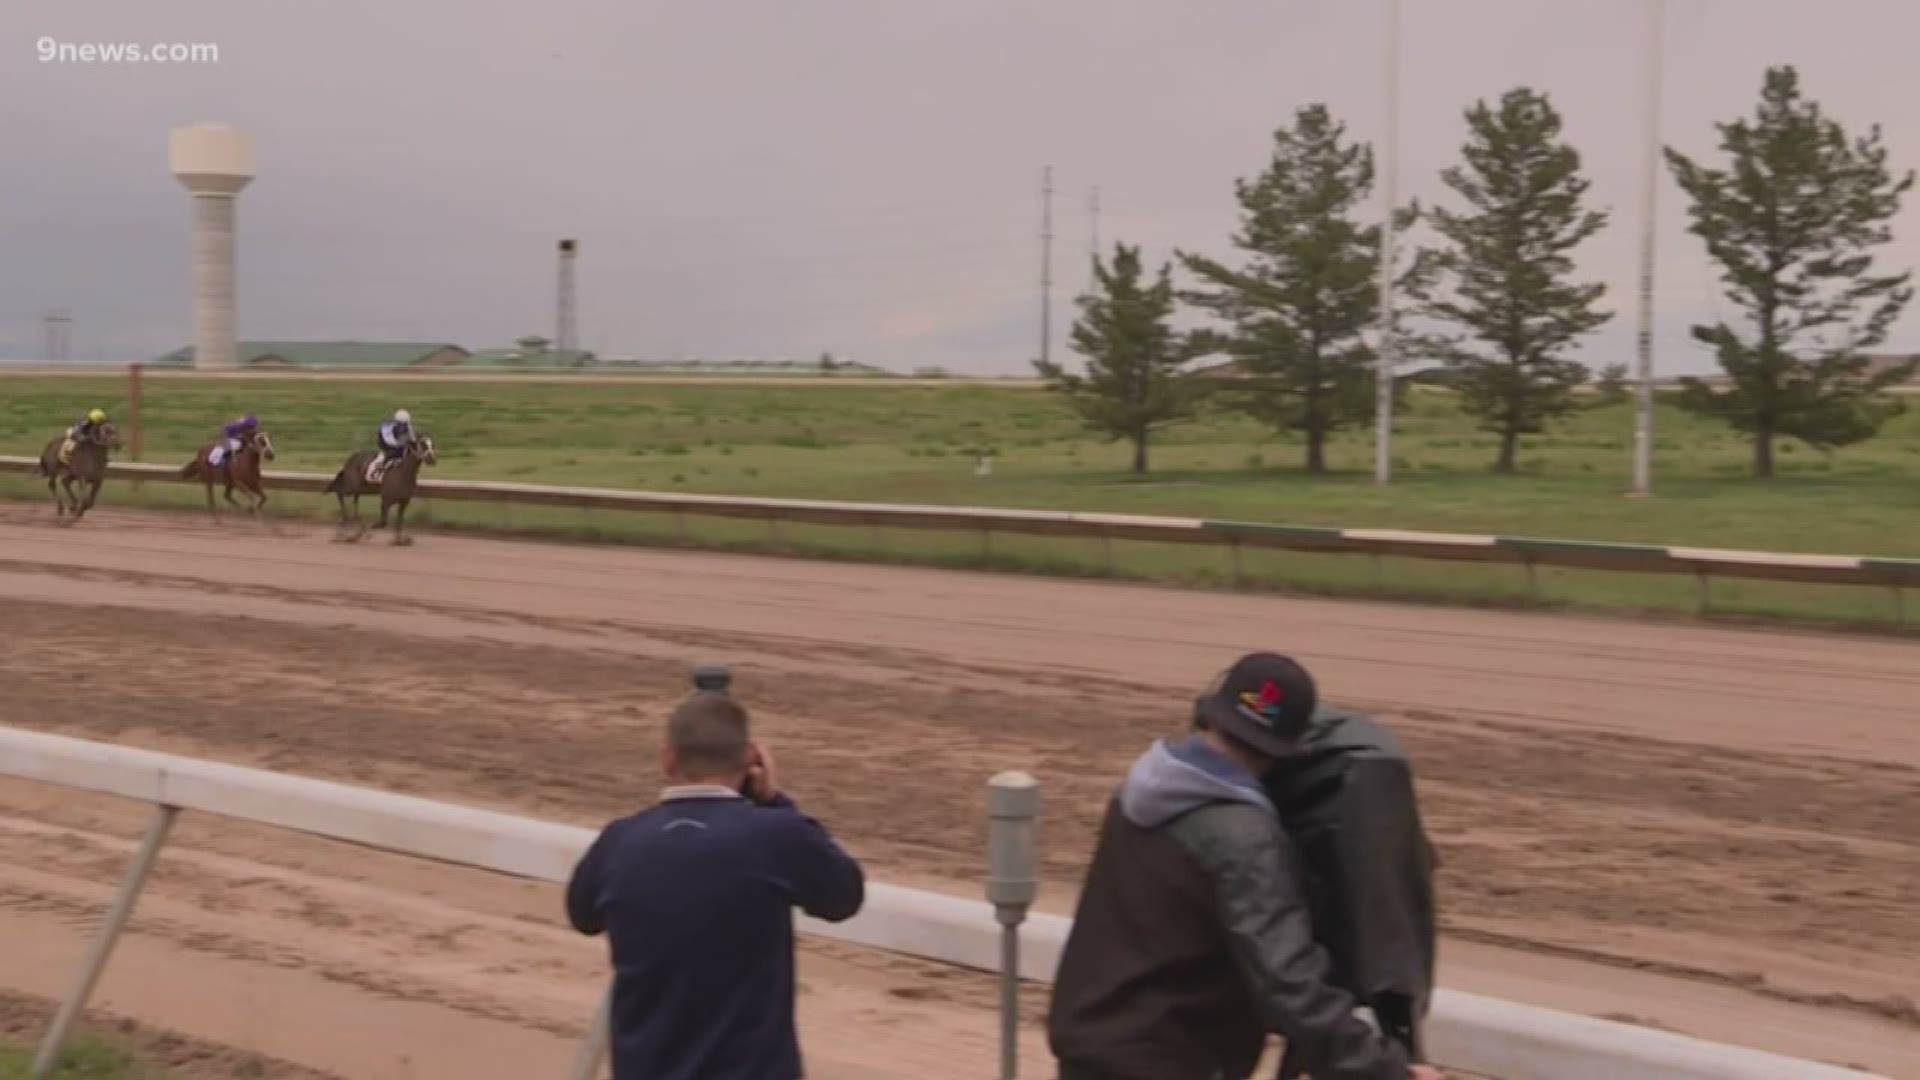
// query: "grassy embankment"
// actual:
[[920, 444]]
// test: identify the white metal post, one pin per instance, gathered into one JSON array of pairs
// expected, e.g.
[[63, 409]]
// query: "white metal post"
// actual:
[[593, 1045], [1013, 802], [1389, 167], [1656, 14], [102, 946]]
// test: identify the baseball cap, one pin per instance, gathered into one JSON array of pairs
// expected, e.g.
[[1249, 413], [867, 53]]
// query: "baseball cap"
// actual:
[[1264, 700]]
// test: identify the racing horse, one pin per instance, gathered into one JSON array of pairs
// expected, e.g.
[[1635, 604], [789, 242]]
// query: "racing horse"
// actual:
[[85, 462], [237, 469], [362, 475]]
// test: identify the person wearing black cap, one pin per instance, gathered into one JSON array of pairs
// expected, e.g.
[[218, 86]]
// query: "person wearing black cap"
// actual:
[[1193, 941]]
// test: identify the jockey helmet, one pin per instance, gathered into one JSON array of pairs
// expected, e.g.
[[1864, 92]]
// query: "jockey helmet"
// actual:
[[250, 422], [97, 416], [403, 416]]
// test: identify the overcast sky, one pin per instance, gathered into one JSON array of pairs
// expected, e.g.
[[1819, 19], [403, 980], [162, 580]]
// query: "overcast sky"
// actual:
[[770, 177]]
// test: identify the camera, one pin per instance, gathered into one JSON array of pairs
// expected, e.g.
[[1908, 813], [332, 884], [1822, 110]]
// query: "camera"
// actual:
[[712, 678]]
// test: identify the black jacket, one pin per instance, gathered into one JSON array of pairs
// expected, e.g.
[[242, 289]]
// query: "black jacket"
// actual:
[[1193, 939], [1346, 797]]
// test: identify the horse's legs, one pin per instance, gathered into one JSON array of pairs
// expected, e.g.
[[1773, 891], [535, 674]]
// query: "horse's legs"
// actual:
[[229, 493], [211, 508], [53, 489], [400, 524], [73, 497]]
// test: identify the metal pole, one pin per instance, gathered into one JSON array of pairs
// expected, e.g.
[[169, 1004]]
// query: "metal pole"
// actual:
[[593, 1046], [102, 946], [1013, 803], [1656, 12], [133, 411], [1009, 1002], [1389, 164], [1046, 265], [1093, 231]]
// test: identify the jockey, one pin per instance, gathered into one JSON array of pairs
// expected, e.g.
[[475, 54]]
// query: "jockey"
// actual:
[[394, 435], [233, 435], [82, 430]]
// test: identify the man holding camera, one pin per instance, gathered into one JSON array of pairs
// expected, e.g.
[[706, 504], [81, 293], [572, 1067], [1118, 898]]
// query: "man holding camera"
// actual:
[[1193, 939], [696, 896]]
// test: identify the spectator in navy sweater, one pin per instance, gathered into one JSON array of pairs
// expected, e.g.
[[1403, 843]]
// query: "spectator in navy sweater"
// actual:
[[696, 897]]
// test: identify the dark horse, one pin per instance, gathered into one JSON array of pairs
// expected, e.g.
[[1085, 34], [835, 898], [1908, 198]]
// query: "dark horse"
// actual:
[[86, 462], [396, 486], [237, 469]]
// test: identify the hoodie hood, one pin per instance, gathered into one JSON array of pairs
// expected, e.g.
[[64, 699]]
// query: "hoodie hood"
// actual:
[[1174, 778]]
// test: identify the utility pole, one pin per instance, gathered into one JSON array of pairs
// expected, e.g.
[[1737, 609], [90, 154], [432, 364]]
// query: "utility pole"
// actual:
[[1093, 225], [1383, 436], [59, 330], [1046, 265], [1656, 13]]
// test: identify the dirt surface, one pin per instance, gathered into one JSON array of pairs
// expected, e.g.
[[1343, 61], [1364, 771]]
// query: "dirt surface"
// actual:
[[1709, 830]]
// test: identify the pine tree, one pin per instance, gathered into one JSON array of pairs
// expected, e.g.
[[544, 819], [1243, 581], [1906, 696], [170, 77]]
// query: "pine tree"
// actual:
[[1792, 219], [1504, 274], [1136, 382], [1298, 309]]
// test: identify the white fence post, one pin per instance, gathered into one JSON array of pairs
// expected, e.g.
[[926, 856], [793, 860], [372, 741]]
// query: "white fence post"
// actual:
[[103, 942], [593, 1045]]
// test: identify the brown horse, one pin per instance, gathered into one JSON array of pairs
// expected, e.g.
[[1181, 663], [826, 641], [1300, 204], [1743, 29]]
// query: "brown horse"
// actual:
[[237, 469], [396, 486], [85, 462]]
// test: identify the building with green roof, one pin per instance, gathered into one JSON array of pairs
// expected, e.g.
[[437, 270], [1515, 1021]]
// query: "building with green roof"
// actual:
[[332, 354]]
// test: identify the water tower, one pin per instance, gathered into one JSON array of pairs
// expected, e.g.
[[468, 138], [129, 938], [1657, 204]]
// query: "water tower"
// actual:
[[213, 162]]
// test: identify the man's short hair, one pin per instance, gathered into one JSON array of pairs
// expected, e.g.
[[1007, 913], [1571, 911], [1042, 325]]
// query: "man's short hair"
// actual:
[[708, 735]]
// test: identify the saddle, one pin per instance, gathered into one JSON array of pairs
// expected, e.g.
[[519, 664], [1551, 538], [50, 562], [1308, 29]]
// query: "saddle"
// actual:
[[376, 469], [67, 447]]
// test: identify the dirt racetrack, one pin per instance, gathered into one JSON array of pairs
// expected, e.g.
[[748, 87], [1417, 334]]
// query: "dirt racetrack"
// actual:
[[1716, 831]]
